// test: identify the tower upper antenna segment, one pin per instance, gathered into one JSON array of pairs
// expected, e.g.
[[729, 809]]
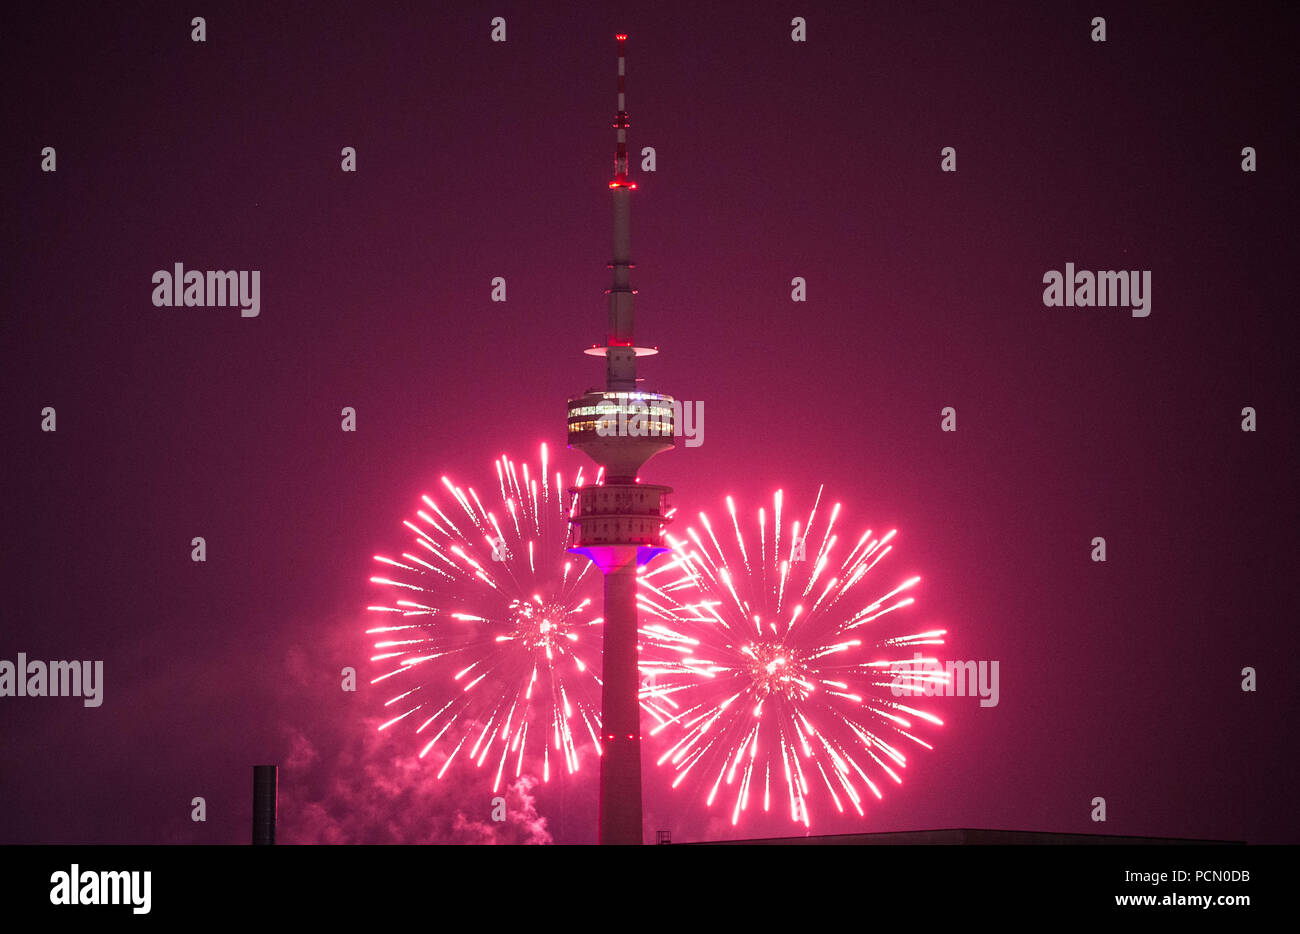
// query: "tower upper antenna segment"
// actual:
[[621, 122]]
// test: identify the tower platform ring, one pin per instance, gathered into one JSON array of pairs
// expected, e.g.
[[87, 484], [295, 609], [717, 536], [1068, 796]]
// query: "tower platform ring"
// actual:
[[600, 350]]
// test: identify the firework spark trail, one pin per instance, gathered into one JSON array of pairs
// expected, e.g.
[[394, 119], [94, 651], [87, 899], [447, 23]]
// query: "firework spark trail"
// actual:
[[495, 647], [770, 665]]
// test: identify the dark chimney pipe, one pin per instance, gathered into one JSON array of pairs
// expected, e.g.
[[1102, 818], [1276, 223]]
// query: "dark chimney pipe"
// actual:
[[263, 805]]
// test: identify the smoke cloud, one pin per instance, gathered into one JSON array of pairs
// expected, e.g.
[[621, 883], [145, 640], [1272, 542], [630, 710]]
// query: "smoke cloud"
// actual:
[[361, 792]]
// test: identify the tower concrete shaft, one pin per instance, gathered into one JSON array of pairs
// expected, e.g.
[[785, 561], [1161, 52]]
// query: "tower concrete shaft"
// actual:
[[618, 524], [620, 764]]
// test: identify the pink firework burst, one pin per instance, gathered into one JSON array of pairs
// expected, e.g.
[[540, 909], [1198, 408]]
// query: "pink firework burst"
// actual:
[[490, 648], [772, 671]]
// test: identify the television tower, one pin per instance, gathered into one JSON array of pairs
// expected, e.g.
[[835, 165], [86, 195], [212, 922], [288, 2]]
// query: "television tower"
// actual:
[[618, 524]]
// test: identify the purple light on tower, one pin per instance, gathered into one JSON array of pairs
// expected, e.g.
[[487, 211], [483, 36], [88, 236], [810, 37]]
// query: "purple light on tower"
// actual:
[[618, 524]]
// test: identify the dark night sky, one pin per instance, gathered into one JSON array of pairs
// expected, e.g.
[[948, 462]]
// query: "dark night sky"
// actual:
[[775, 159]]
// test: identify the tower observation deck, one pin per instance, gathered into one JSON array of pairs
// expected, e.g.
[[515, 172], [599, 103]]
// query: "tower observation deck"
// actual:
[[618, 524]]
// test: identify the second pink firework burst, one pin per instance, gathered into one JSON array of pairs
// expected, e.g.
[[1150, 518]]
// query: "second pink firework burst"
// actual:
[[770, 654]]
